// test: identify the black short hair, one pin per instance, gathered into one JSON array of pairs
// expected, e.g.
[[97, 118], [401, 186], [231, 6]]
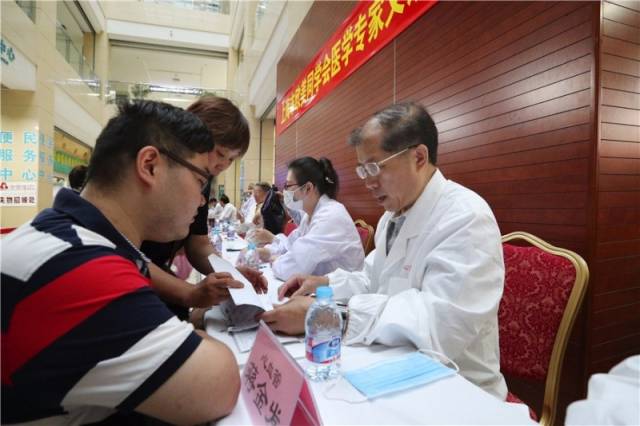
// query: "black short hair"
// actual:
[[139, 124], [319, 172], [404, 124], [224, 199], [77, 176]]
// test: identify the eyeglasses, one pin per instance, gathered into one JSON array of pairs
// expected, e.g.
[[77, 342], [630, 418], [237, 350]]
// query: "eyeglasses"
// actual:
[[206, 175], [289, 185], [373, 169]]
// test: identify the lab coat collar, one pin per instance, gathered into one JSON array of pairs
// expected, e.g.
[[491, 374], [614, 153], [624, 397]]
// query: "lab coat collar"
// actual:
[[416, 217], [306, 220], [322, 200]]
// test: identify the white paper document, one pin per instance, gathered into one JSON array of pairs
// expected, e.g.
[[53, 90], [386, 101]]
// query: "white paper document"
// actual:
[[245, 304]]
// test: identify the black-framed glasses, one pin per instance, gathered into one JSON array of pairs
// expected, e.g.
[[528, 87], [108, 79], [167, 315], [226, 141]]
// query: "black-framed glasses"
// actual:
[[373, 169], [289, 185], [206, 175]]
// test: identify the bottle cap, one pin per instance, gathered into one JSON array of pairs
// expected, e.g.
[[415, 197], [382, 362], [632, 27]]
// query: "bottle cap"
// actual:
[[324, 292]]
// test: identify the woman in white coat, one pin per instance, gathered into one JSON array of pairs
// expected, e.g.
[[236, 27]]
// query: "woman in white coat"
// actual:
[[228, 210], [326, 239]]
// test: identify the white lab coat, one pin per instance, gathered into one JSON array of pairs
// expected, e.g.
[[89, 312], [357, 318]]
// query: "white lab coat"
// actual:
[[440, 286], [215, 212], [228, 212], [328, 242], [612, 399], [248, 209]]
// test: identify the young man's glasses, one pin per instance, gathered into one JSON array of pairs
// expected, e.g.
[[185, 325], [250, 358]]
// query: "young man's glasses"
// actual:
[[206, 175], [373, 169]]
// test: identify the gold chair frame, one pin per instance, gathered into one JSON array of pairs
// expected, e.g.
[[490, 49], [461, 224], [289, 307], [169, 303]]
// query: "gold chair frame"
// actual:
[[368, 245], [552, 382]]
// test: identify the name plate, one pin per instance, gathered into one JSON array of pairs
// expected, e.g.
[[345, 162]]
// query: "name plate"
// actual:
[[274, 386]]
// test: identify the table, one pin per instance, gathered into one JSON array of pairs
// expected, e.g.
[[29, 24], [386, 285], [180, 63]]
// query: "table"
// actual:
[[452, 400]]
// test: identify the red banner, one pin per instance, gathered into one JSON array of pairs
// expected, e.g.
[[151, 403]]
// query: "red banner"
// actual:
[[369, 28]]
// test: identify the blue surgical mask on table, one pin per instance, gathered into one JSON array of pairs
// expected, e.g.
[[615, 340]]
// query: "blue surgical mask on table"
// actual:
[[397, 374]]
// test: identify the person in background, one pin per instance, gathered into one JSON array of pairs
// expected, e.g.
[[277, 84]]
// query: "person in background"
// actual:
[[326, 239], [248, 209], [436, 276], [271, 214], [85, 339], [230, 133], [612, 398], [228, 210], [215, 210], [295, 215], [77, 176]]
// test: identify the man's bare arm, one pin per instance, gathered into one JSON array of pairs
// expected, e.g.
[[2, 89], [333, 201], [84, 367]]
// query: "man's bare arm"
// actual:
[[204, 388], [198, 248], [170, 288]]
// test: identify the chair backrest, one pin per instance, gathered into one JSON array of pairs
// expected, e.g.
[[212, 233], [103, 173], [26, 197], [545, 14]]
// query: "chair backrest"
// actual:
[[544, 287], [366, 235]]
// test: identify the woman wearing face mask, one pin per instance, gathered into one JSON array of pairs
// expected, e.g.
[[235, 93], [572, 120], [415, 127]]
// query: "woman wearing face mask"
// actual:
[[326, 238]]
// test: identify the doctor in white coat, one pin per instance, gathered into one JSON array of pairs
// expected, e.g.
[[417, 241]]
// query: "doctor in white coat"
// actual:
[[436, 276], [326, 238]]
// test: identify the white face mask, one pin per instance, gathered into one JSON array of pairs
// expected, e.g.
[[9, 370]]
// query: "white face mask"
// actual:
[[290, 202]]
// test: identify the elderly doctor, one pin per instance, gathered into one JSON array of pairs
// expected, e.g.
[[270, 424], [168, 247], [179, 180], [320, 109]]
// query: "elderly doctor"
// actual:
[[326, 239], [436, 276]]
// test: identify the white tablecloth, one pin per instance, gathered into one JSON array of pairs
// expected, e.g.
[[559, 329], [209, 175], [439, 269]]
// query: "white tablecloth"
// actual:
[[452, 400]]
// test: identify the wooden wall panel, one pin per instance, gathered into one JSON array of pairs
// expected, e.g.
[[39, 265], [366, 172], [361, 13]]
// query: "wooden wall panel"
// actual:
[[538, 110], [615, 284]]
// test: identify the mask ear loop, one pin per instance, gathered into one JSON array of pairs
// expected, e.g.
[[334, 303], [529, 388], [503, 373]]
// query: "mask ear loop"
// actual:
[[441, 356], [329, 388]]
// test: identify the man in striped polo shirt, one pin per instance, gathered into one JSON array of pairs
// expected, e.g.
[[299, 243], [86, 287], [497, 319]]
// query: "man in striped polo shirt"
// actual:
[[84, 337]]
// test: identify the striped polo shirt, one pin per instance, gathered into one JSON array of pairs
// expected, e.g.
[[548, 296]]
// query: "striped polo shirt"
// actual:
[[84, 337]]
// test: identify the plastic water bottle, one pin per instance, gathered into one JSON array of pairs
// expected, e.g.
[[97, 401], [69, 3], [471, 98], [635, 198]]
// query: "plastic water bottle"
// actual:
[[231, 232], [323, 335], [252, 258], [216, 240]]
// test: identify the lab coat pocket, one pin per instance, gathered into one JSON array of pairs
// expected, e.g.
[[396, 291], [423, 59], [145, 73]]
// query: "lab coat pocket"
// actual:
[[397, 285]]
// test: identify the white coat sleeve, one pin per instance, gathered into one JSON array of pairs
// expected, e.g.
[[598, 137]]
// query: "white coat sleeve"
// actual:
[[345, 284], [325, 238], [462, 275], [612, 399], [280, 243]]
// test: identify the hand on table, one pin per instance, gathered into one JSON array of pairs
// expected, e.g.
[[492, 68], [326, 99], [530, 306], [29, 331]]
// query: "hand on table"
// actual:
[[262, 236], [212, 290], [256, 278], [196, 317], [289, 317], [301, 285], [264, 253]]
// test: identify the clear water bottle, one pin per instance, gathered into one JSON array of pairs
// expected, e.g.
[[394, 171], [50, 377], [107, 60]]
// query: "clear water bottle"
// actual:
[[323, 335], [216, 240], [252, 257], [231, 232]]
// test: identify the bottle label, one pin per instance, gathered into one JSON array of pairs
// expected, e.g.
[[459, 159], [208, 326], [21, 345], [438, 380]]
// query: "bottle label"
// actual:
[[323, 351]]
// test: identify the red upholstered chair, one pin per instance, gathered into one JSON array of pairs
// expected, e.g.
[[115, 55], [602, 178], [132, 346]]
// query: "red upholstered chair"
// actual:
[[544, 286], [366, 235], [289, 227]]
